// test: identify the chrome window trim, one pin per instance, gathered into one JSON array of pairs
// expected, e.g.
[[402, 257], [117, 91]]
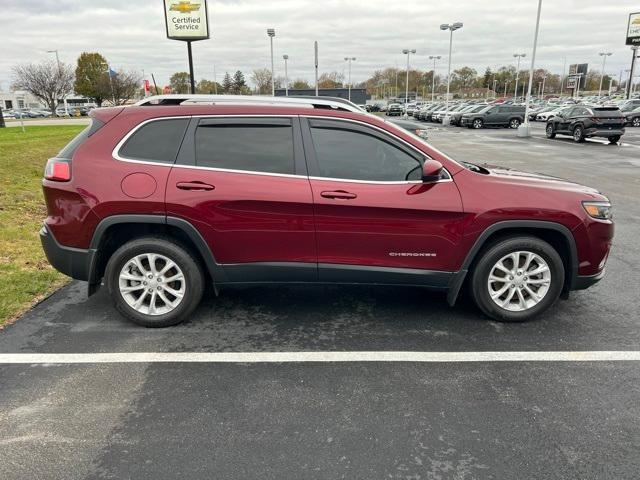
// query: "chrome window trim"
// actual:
[[116, 155]]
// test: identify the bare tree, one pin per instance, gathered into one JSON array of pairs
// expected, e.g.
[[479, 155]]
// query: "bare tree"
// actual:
[[125, 86], [261, 78], [48, 81]]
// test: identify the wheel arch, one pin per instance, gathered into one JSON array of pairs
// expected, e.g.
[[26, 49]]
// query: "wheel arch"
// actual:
[[556, 234], [112, 232]]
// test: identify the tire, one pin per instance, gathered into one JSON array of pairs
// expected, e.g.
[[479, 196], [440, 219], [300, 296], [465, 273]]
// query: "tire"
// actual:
[[613, 138], [477, 123], [578, 134], [514, 123], [543, 253], [551, 132], [635, 122], [191, 285]]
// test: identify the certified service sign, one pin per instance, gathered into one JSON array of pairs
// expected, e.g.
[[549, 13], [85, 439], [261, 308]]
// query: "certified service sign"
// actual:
[[633, 32], [186, 19]]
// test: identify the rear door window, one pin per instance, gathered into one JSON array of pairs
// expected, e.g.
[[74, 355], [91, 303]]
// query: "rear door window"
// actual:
[[156, 141], [262, 146]]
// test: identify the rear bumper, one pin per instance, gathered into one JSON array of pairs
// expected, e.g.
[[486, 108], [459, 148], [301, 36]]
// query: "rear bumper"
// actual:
[[582, 282], [603, 132], [74, 262]]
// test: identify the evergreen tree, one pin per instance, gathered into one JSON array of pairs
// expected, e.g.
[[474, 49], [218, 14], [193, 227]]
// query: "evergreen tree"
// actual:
[[227, 83], [238, 82], [486, 81]]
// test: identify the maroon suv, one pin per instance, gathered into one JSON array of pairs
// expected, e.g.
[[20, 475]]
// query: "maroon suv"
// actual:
[[159, 199]]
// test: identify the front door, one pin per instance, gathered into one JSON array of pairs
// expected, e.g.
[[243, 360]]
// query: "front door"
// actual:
[[375, 220], [243, 184]]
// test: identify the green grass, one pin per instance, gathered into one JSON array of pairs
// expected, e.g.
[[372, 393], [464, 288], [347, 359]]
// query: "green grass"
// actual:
[[25, 274]]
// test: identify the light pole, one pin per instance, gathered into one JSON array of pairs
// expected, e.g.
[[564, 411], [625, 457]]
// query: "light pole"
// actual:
[[525, 129], [544, 80], [408, 53], [452, 28], [286, 76], [272, 33], [604, 56], [433, 75], [518, 56], [494, 87], [66, 109], [349, 59]]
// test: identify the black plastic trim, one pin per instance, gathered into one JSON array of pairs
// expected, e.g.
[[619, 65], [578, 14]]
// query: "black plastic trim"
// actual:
[[267, 272], [338, 273], [74, 262], [458, 280], [582, 282]]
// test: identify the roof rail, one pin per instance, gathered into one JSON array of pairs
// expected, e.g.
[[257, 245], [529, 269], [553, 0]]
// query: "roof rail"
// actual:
[[295, 101]]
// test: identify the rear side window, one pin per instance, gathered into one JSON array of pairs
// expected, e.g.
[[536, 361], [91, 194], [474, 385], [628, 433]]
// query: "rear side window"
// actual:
[[68, 151], [260, 147], [156, 141]]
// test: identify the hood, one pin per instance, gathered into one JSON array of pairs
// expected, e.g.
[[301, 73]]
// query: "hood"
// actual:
[[541, 180]]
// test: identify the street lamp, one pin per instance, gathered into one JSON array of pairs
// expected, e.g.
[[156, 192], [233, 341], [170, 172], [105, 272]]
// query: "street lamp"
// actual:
[[433, 75], [525, 130], [408, 53], [349, 59], [286, 76], [518, 56], [604, 56], [66, 109], [451, 27], [272, 33], [544, 80]]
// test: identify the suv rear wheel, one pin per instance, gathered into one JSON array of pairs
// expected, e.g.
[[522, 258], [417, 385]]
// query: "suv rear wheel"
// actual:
[[578, 134], [478, 123], [551, 132], [154, 282], [514, 123], [636, 122], [517, 278]]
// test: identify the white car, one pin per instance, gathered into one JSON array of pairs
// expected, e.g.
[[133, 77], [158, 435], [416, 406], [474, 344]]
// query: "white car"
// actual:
[[544, 116], [410, 109]]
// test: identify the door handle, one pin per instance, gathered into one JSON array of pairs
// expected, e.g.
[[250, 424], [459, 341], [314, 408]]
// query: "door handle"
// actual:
[[195, 185], [338, 194]]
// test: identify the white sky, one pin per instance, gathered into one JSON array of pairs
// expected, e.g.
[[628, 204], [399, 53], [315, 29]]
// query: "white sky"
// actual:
[[131, 34]]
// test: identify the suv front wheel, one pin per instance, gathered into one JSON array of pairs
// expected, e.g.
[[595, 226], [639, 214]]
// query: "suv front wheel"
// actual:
[[514, 123], [154, 282], [517, 278]]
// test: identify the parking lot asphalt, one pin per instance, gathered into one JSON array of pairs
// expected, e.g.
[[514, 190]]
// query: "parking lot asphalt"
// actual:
[[326, 419]]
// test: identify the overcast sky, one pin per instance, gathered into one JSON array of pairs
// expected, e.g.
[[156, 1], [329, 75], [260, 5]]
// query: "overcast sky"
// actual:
[[131, 34]]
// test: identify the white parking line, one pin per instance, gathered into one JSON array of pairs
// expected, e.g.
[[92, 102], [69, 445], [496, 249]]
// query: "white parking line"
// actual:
[[303, 357]]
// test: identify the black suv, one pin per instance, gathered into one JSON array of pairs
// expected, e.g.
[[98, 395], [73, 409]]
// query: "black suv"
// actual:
[[584, 122], [494, 116], [457, 116]]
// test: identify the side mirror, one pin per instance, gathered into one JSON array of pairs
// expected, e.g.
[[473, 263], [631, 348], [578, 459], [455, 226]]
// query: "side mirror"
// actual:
[[431, 171]]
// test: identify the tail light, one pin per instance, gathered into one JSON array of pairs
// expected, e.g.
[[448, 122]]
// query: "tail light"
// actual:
[[57, 170], [596, 120]]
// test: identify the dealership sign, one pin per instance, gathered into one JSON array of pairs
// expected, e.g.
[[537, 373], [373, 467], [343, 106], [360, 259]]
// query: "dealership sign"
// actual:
[[633, 30], [186, 19]]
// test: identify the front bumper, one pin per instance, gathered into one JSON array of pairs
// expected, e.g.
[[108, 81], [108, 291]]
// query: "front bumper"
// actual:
[[582, 282], [75, 262]]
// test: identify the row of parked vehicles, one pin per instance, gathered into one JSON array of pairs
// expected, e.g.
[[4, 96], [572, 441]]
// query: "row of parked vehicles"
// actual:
[[43, 113]]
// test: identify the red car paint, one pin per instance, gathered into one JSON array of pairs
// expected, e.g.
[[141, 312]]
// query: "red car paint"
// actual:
[[249, 217]]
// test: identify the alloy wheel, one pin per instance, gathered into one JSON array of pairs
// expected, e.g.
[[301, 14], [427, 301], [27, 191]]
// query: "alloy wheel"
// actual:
[[519, 281], [152, 284]]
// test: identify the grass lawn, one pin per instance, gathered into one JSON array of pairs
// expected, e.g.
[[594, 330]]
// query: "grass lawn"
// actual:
[[25, 274]]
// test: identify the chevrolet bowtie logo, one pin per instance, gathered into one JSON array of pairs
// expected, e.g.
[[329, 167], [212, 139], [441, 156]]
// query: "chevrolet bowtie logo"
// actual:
[[184, 7]]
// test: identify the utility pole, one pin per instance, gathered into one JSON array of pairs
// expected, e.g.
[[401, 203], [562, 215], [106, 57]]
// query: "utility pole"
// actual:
[[433, 74], [518, 56], [349, 59], [286, 76], [315, 48], [604, 56], [272, 33]]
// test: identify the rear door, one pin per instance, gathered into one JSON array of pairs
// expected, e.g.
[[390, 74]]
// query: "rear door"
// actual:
[[374, 217], [242, 181]]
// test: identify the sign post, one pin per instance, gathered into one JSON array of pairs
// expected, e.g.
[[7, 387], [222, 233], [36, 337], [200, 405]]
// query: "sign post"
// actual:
[[187, 21], [633, 39]]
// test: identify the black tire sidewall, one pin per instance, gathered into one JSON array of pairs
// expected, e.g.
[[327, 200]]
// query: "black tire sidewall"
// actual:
[[490, 257], [552, 133], [479, 123], [581, 134], [194, 279]]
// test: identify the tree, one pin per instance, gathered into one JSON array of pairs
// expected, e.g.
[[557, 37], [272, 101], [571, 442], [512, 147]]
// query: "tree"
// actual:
[[124, 86], [261, 78], [300, 83], [487, 80], [331, 80], [207, 86], [227, 83], [180, 82], [239, 84], [49, 81], [464, 77], [92, 79]]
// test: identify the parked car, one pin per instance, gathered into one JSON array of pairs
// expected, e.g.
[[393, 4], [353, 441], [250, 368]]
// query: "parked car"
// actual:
[[243, 190], [394, 109], [633, 117], [584, 122], [439, 114], [629, 105], [410, 109], [456, 116], [428, 114], [494, 116], [547, 114]]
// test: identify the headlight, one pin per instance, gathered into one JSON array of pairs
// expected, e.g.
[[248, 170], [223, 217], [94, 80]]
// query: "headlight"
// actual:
[[599, 210]]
